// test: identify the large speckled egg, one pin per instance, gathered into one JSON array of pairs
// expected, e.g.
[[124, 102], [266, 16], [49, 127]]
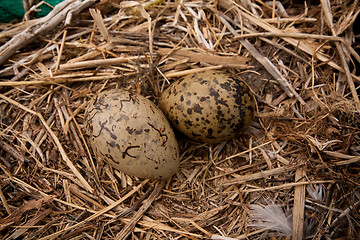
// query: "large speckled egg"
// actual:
[[130, 133], [209, 106]]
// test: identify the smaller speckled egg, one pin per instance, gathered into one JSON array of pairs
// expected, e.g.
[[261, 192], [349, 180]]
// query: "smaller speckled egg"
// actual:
[[130, 133], [209, 106]]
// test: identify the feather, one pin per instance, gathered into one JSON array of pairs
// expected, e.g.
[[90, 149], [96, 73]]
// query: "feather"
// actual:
[[271, 217], [315, 191]]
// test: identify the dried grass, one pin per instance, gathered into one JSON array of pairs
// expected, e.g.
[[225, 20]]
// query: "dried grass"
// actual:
[[301, 152]]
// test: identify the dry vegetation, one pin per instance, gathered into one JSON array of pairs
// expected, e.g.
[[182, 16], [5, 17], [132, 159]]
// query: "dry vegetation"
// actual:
[[298, 163]]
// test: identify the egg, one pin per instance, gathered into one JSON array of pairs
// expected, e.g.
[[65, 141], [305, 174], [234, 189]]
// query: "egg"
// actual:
[[209, 106], [131, 133]]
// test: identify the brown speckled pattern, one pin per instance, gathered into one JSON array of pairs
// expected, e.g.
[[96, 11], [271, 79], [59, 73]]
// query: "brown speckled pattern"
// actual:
[[209, 106], [129, 132]]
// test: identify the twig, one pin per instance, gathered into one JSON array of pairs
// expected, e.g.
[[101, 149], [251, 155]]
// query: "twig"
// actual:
[[234, 61], [260, 175], [124, 233], [97, 63], [97, 214], [13, 152], [96, 15], [4, 202], [163, 227], [299, 206], [85, 184], [31, 222], [60, 50], [60, 79], [344, 214], [191, 71], [302, 36], [134, 206], [27, 186], [286, 186], [16, 215], [72, 234], [325, 4], [47, 23], [268, 65]]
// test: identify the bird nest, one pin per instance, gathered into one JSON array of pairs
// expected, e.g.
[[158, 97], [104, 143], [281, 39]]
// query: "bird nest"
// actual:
[[293, 172]]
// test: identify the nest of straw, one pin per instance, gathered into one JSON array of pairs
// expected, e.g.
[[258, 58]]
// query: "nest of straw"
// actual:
[[293, 173]]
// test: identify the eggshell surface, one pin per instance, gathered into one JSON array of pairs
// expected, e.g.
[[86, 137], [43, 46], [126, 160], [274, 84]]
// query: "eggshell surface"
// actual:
[[209, 106], [130, 133]]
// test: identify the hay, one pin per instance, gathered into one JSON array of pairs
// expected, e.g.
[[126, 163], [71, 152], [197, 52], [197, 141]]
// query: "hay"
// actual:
[[299, 159]]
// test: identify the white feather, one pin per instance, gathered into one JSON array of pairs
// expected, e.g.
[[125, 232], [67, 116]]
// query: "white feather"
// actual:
[[271, 217], [316, 191]]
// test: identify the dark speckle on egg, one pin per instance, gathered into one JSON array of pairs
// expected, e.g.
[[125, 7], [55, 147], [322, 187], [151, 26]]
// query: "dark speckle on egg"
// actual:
[[211, 106]]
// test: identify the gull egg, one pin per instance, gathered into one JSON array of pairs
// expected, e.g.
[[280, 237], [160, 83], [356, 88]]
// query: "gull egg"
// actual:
[[209, 106], [130, 133]]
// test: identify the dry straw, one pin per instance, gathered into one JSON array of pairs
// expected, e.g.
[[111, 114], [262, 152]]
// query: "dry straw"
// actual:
[[298, 163]]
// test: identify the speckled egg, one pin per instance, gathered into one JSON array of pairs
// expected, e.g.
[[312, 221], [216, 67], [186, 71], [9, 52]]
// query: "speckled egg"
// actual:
[[209, 106], [130, 133]]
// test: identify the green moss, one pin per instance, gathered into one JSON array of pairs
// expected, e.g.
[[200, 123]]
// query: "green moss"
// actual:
[[13, 9]]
